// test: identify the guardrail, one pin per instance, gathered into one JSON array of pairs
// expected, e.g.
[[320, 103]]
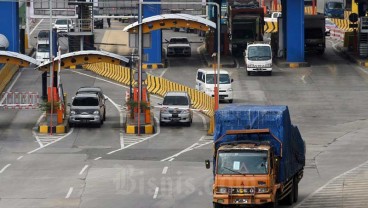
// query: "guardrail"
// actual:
[[155, 85]]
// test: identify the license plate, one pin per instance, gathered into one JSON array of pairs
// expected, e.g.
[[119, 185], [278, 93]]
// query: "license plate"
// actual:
[[175, 115]]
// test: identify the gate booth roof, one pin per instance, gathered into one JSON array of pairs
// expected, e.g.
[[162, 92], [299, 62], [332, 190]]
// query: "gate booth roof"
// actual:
[[84, 57], [17, 58], [172, 18]]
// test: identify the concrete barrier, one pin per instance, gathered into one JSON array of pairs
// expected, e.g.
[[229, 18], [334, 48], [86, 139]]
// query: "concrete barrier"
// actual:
[[155, 85]]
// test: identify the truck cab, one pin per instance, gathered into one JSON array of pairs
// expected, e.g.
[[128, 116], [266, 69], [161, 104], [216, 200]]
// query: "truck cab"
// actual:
[[258, 58], [244, 174]]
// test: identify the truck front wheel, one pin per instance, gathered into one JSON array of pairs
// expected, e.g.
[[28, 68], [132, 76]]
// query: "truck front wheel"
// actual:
[[296, 190]]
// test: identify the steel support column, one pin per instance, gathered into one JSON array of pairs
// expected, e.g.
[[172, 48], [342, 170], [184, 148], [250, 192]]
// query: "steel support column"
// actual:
[[9, 22], [154, 53], [294, 30]]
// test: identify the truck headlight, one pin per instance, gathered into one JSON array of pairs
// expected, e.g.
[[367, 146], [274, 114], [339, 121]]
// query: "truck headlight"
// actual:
[[222, 190], [72, 112], [96, 112], [262, 190]]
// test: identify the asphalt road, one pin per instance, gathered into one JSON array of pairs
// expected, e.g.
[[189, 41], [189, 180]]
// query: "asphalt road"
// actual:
[[103, 167]]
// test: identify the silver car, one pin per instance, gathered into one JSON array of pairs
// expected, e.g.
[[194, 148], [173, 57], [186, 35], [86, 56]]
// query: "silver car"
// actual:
[[87, 108], [176, 108]]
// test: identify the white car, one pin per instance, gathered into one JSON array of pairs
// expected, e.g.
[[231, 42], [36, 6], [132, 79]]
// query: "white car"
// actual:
[[179, 46], [63, 25]]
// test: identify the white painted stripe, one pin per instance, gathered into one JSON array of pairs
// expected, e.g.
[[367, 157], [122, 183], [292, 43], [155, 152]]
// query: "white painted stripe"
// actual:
[[69, 192], [171, 159], [162, 74], [84, 168], [181, 152], [157, 133], [20, 157], [121, 120], [156, 193], [97, 158], [36, 26], [4, 168], [164, 171], [11, 87], [35, 150]]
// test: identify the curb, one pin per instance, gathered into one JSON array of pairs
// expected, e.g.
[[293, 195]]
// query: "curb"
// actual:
[[153, 66], [292, 65], [144, 129], [59, 129]]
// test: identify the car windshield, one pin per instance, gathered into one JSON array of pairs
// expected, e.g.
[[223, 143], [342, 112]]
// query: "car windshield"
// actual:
[[43, 48], [244, 162], [85, 101], [224, 79], [61, 22], [176, 100], [179, 40], [259, 52], [43, 35], [334, 5]]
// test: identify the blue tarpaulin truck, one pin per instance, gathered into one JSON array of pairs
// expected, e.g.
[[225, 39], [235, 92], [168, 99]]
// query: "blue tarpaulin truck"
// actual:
[[259, 156]]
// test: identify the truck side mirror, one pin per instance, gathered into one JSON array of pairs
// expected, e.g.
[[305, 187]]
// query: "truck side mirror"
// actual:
[[69, 104], [232, 80], [208, 164]]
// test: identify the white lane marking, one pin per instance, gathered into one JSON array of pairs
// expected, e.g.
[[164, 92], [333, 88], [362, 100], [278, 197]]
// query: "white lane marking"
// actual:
[[84, 168], [11, 87], [36, 26], [121, 120], [203, 119], [97, 158], [69, 192], [34, 133], [156, 193], [20, 157], [190, 148], [4, 168], [162, 73], [158, 132], [35, 150], [202, 138], [328, 183], [164, 171], [179, 153]]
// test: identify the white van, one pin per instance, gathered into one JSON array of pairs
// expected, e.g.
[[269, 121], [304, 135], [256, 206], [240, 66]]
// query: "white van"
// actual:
[[43, 46], [205, 82], [43, 51]]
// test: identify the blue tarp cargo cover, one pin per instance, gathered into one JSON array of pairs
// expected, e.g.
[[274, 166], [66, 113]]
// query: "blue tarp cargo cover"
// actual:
[[277, 119]]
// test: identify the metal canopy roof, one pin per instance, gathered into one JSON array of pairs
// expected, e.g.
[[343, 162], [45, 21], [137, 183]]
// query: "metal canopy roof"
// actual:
[[20, 56], [187, 17], [88, 52]]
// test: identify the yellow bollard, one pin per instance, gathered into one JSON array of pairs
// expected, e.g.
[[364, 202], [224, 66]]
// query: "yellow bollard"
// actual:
[[26, 41]]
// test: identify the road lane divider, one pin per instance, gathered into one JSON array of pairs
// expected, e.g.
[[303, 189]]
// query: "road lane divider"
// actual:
[[83, 169], [164, 171], [69, 192], [4, 168], [156, 192]]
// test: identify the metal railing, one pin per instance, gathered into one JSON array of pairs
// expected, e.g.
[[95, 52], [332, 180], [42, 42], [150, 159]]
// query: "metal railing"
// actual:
[[84, 25]]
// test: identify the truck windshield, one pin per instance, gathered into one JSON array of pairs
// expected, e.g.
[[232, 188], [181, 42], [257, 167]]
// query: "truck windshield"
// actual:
[[334, 5], [244, 162], [85, 101], [259, 53], [43, 48], [224, 79]]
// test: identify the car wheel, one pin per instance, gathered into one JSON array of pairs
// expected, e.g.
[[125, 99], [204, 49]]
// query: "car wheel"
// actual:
[[231, 101], [71, 125], [188, 124], [104, 116], [248, 73]]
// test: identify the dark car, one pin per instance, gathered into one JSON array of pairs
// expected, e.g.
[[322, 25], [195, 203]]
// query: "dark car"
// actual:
[[98, 23]]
